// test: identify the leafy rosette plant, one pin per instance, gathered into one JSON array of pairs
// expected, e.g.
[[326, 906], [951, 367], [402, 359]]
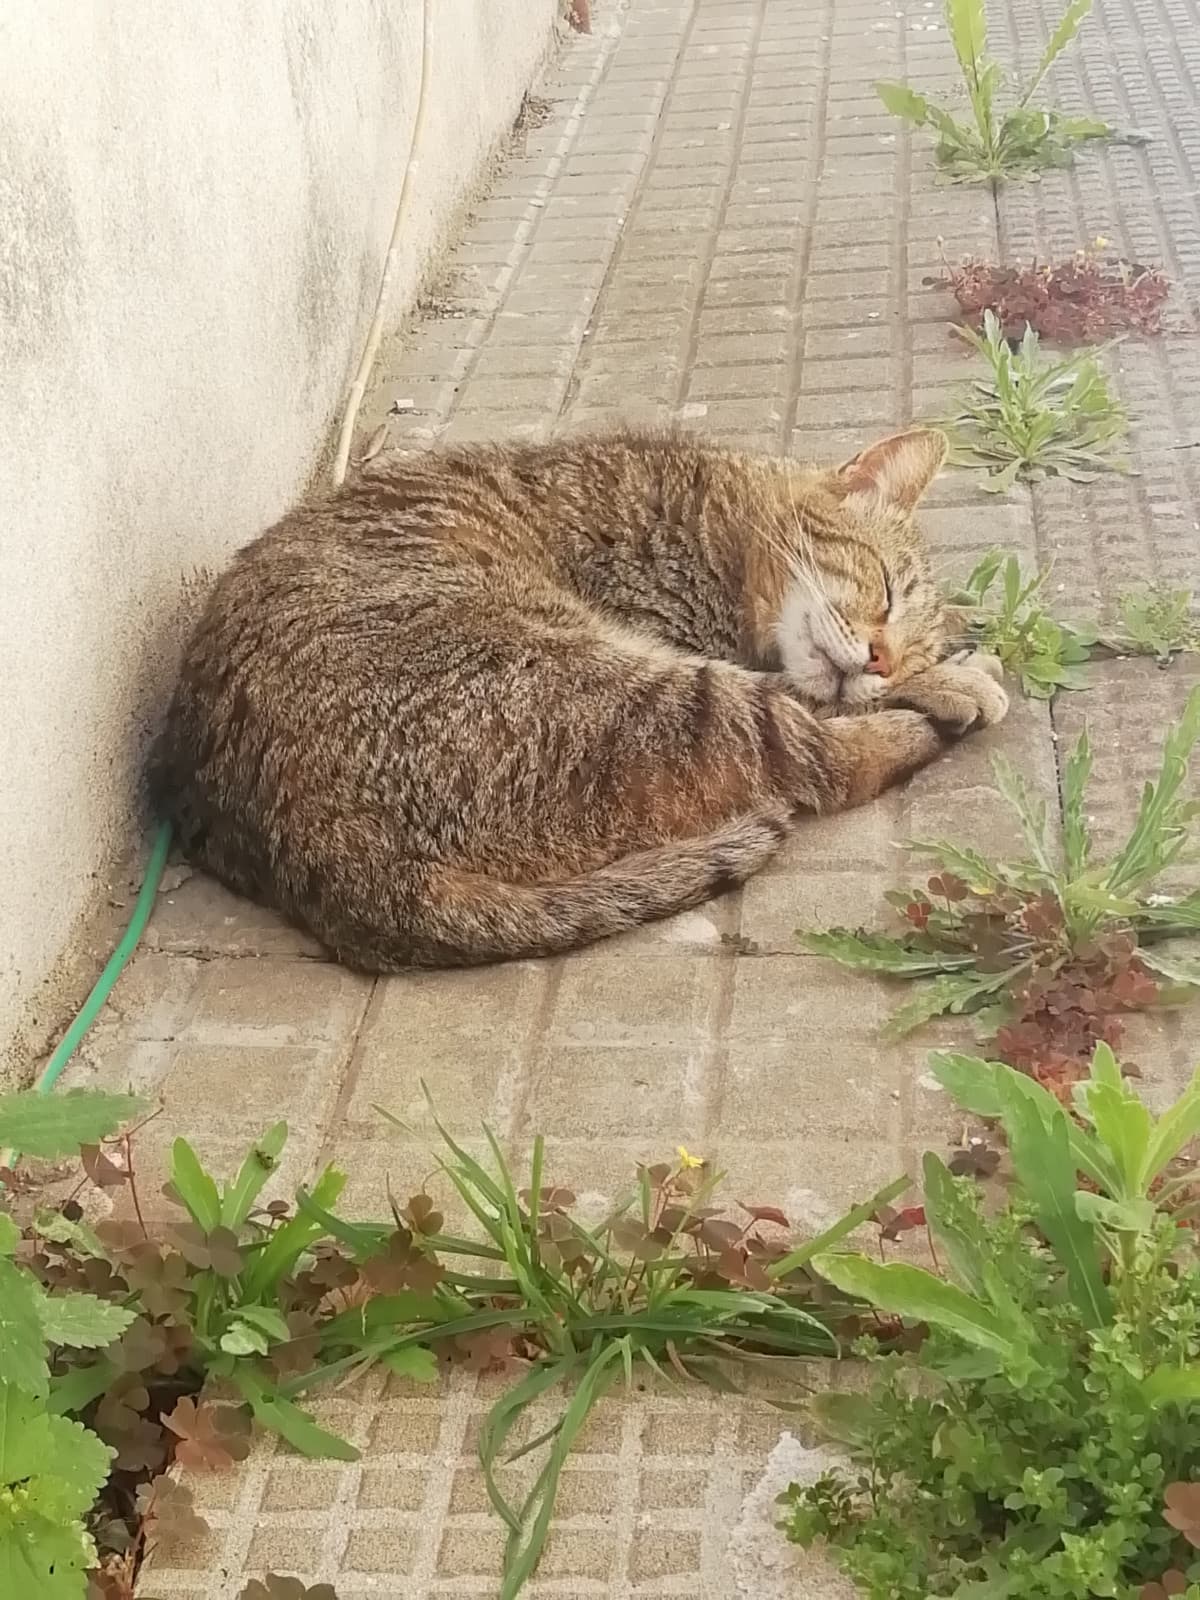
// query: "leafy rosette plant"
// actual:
[[1048, 952]]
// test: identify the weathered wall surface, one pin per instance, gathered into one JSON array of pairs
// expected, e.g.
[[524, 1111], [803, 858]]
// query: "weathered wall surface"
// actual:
[[195, 204]]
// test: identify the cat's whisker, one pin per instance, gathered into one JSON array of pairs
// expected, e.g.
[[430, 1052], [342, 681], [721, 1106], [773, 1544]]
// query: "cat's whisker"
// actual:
[[805, 547], [811, 582], [795, 556]]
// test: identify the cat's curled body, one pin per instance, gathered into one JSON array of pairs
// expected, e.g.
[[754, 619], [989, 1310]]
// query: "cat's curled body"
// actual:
[[503, 701]]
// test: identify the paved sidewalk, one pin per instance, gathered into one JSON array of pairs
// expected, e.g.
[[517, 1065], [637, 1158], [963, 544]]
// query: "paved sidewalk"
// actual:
[[713, 222]]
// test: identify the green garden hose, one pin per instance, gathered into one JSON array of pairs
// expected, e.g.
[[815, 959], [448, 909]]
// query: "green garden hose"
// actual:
[[71, 1040]]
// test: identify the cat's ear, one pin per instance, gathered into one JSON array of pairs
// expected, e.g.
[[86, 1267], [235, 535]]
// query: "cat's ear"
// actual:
[[899, 469]]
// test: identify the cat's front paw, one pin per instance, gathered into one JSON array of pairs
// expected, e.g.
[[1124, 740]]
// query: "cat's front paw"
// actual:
[[958, 696]]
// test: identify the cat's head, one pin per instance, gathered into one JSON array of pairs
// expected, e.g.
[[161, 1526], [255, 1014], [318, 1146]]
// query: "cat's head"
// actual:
[[861, 612]]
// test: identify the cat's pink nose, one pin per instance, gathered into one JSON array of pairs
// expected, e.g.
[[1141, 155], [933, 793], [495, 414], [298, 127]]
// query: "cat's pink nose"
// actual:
[[879, 661]]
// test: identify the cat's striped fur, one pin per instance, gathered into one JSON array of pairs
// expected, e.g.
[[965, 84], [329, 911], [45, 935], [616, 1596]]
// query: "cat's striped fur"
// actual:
[[502, 701]]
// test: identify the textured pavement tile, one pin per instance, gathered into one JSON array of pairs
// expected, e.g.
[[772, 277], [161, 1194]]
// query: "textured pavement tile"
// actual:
[[200, 915]]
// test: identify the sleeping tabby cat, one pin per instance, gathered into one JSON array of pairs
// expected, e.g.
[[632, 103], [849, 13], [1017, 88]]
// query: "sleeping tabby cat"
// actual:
[[502, 701]]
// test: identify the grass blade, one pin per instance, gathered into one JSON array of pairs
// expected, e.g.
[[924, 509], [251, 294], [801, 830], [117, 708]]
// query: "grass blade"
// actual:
[[360, 1237], [682, 1329], [478, 1174], [387, 1343], [281, 1416], [846, 1225], [522, 1555], [536, 1166], [287, 1244], [363, 1323], [501, 1420]]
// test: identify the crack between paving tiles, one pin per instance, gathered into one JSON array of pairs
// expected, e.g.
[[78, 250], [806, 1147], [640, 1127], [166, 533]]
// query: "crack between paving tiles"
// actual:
[[1011, 65], [181, 950], [536, 213], [791, 405], [345, 1081], [1138, 489], [691, 342], [1036, 520], [1170, 138], [904, 176], [532, 1049], [616, 254]]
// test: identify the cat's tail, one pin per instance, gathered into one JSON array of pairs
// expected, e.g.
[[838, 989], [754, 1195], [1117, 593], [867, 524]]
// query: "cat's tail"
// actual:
[[462, 918]]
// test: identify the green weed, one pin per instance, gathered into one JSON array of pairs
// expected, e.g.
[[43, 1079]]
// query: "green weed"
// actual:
[[1033, 418], [1047, 952], [666, 1284], [110, 1336], [1155, 621], [1003, 611], [996, 144], [1040, 1444]]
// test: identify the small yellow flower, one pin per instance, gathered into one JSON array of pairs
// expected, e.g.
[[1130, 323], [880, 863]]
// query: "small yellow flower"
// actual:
[[688, 1161], [1099, 242]]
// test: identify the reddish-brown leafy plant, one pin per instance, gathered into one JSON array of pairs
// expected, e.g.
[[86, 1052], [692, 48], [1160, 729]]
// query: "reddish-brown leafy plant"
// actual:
[[1172, 1583], [1086, 297], [1182, 1511], [135, 1319], [274, 1587]]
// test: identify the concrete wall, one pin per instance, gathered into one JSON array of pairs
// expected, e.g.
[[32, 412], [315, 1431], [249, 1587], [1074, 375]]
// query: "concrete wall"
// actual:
[[195, 203]]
